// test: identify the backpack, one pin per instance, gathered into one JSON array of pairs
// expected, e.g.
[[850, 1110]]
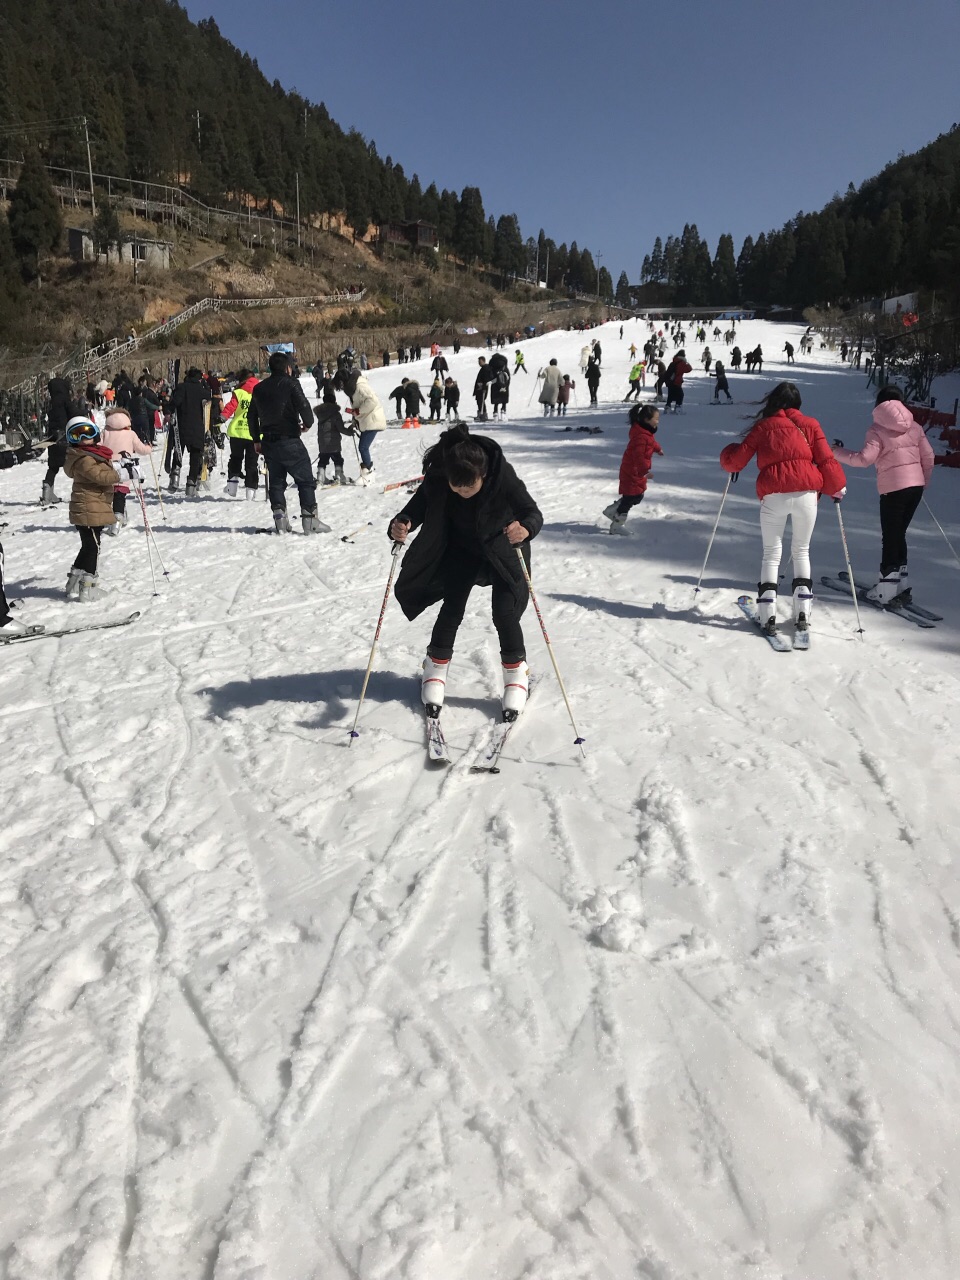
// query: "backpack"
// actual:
[[670, 374], [503, 379]]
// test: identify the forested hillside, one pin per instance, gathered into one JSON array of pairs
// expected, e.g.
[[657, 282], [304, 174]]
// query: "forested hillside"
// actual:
[[899, 231], [170, 100]]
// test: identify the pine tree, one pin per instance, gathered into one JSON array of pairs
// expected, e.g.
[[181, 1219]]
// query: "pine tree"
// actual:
[[656, 262], [622, 295], [470, 226], [725, 292], [10, 286], [509, 254], [34, 215], [606, 285], [107, 232]]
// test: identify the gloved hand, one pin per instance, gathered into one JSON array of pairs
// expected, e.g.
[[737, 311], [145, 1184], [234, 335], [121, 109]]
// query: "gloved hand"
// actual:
[[734, 477], [132, 470], [118, 468], [839, 496], [837, 444]]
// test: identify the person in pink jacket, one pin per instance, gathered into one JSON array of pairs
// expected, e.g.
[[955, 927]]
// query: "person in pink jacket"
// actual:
[[897, 446], [120, 438]]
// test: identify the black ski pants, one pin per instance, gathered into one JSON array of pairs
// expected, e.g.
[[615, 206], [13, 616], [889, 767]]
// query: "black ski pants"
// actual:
[[674, 396], [459, 572], [89, 554], [287, 456], [627, 502], [4, 605], [173, 461], [56, 457], [896, 511], [243, 462]]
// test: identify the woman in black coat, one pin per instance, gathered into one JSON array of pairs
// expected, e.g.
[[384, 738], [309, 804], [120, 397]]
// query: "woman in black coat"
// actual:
[[473, 511]]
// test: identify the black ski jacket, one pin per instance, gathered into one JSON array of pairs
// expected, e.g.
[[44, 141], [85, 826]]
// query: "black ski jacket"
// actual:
[[278, 407], [61, 408], [188, 399], [421, 581], [329, 428], [413, 398]]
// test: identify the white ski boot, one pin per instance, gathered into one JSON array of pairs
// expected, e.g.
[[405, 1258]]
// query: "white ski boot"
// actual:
[[193, 489], [612, 512], [73, 584], [886, 590], [230, 488], [433, 683], [365, 474], [802, 602], [91, 588], [906, 595], [13, 627], [48, 497], [250, 494], [280, 521], [312, 522], [516, 683], [767, 606]]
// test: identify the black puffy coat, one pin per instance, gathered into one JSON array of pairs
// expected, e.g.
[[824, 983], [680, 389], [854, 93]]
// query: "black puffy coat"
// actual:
[[188, 400], [278, 409], [421, 580], [329, 427], [62, 408], [413, 398]]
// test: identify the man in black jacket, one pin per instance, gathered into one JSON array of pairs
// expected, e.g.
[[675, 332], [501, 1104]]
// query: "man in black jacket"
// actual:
[[59, 412], [279, 414], [188, 401]]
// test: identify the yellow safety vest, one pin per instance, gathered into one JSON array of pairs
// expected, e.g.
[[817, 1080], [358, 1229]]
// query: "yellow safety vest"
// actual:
[[238, 429]]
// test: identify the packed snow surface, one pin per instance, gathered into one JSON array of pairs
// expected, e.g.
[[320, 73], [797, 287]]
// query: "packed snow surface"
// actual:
[[275, 1007]]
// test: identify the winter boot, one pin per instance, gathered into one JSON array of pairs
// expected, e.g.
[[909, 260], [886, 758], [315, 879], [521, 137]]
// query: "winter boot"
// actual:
[[13, 627], [905, 595], [230, 488], [516, 680], [91, 588], [618, 525], [193, 489], [174, 484], [47, 496], [280, 521], [73, 584], [613, 511], [887, 589], [802, 602], [312, 522], [365, 474], [767, 606], [339, 477], [250, 494], [433, 683]]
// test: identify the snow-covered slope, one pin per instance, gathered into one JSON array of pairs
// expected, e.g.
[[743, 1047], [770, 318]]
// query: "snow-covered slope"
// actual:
[[274, 1006]]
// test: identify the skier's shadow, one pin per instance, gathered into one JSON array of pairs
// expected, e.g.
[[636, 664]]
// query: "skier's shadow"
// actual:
[[621, 609], [329, 695]]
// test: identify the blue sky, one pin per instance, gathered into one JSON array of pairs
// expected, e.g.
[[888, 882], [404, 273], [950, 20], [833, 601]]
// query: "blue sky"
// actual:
[[612, 122]]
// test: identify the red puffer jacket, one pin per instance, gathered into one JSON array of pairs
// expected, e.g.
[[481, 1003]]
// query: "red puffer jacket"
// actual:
[[792, 454], [637, 460]]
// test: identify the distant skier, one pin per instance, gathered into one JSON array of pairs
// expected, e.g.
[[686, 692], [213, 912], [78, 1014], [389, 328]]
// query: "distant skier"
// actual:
[[518, 362], [593, 379], [188, 401], [481, 388], [788, 348], [61, 409], [552, 378], [499, 386], [368, 415], [277, 417], [396, 395], [413, 398], [796, 465], [675, 373], [91, 504], [435, 397], [736, 358], [472, 511], [636, 464], [563, 393], [122, 441], [721, 376], [243, 463], [451, 398], [330, 433], [707, 359]]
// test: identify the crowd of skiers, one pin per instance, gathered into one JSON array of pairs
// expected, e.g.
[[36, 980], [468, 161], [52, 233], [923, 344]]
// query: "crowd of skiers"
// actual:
[[473, 508]]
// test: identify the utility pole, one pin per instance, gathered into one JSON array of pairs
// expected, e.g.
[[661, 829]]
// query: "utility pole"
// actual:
[[198, 130], [599, 259], [93, 198], [298, 204], [546, 279]]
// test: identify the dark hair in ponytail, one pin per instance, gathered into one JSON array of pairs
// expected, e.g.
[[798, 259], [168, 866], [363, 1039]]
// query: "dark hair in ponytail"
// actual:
[[456, 456]]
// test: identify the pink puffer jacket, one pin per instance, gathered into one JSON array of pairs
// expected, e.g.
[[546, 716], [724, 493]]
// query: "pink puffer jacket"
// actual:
[[119, 436], [898, 447]]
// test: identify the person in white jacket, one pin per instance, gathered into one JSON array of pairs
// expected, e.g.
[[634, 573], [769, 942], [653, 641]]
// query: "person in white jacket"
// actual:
[[550, 391], [367, 412]]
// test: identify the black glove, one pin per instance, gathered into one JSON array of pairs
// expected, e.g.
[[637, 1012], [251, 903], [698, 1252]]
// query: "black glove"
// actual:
[[734, 477], [837, 444], [26, 453]]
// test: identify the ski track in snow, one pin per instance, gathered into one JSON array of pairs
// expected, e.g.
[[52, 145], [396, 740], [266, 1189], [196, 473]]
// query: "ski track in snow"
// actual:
[[275, 1006]]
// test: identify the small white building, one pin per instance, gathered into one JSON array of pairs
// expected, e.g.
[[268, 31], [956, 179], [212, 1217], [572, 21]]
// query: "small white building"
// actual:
[[149, 253]]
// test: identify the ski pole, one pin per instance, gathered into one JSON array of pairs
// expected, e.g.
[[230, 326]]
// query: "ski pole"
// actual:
[[146, 528], [716, 522], [578, 740], [853, 585], [533, 390], [149, 530], [351, 537], [156, 481], [940, 527], [397, 548]]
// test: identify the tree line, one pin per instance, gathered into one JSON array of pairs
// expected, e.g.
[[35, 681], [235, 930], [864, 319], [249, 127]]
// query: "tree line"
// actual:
[[168, 100], [899, 231]]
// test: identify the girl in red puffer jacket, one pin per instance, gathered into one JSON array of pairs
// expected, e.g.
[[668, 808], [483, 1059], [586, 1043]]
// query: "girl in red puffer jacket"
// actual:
[[796, 466], [636, 464]]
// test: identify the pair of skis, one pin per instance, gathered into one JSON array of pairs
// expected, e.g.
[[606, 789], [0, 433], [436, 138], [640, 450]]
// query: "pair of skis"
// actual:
[[41, 633], [487, 758], [776, 639], [900, 608]]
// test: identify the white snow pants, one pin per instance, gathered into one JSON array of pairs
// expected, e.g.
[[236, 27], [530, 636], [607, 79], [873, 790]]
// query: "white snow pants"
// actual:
[[774, 510]]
